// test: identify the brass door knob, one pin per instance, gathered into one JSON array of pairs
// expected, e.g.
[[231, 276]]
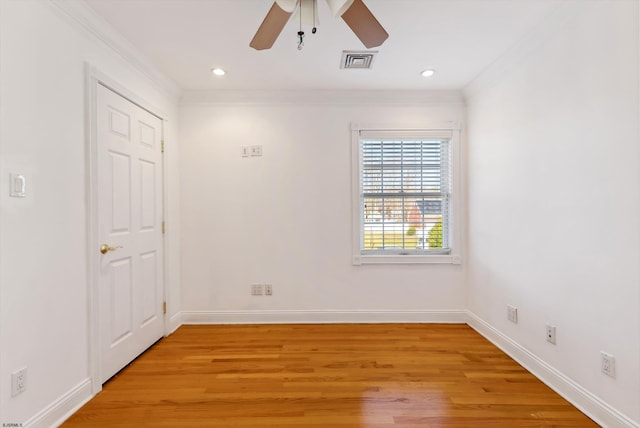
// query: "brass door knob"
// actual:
[[105, 248]]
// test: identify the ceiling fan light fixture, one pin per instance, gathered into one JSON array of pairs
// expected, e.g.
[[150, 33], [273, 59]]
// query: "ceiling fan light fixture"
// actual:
[[428, 73], [338, 7], [288, 5], [218, 71]]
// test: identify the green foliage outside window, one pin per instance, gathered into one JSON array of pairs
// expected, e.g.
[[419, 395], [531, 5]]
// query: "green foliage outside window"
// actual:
[[435, 235]]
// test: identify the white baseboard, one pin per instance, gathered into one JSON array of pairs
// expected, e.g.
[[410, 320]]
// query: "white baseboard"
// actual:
[[592, 406], [58, 411], [323, 317], [174, 323]]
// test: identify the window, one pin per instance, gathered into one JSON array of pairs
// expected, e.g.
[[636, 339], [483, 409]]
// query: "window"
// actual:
[[404, 183]]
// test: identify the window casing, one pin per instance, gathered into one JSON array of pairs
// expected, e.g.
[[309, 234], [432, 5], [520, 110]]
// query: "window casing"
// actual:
[[405, 193]]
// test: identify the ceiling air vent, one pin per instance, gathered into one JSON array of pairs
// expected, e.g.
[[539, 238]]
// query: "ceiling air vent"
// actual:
[[355, 59]]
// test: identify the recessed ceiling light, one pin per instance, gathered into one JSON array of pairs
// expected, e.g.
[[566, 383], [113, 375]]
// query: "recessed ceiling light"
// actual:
[[428, 73], [218, 71]]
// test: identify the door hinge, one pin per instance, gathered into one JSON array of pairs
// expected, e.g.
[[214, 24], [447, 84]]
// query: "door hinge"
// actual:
[[162, 146], [163, 228], [164, 307]]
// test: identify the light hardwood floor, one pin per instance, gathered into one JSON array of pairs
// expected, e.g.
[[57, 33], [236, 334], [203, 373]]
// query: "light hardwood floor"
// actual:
[[339, 375]]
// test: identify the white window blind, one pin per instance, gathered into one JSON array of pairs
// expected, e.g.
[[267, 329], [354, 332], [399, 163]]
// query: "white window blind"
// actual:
[[405, 193]]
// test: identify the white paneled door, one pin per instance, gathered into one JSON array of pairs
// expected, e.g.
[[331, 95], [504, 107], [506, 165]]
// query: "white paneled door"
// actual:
[[131, 291]]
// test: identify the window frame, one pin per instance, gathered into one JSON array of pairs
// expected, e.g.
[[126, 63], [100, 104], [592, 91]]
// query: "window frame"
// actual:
[[448, 130]]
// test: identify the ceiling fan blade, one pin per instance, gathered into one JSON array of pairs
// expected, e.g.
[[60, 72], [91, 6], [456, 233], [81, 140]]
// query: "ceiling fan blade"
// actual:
[[270, 28], [362, 22]]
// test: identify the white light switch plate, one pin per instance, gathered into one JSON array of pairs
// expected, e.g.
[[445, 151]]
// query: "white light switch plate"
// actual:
[[18, 185], [256, 150]]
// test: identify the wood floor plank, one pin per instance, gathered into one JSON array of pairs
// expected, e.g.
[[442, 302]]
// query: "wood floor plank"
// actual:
[[342, 375]]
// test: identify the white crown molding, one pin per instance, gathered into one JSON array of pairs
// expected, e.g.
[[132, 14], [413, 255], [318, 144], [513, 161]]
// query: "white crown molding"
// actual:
[[323, 317], [60, 410], [597, 409], [87, 20], [316, 97], [523, 49]]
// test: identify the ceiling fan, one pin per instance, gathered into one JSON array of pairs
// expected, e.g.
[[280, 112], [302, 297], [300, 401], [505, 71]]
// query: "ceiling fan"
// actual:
[[354, 12]]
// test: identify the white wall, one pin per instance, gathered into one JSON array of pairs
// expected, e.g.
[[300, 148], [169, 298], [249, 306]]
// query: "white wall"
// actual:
[[285, 218], [554, 201], [43, 254], [570, 112]]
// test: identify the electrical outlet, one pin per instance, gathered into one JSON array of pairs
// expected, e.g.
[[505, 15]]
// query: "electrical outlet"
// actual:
[[551, 334], [257, 289], [608, 364], [18, 381], [268, 290], [512, 314]]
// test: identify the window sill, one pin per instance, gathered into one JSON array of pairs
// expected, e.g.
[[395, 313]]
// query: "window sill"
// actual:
[[406, 259]]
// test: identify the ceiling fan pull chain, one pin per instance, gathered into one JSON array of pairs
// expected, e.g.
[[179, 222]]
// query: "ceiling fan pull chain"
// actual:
[[300, 32], [313, 30]]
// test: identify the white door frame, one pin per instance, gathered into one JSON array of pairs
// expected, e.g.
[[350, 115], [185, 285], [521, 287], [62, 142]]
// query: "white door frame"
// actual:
[[93, 78]]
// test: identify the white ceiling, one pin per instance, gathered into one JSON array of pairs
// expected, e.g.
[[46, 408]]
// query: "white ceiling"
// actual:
[[458, 38]]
